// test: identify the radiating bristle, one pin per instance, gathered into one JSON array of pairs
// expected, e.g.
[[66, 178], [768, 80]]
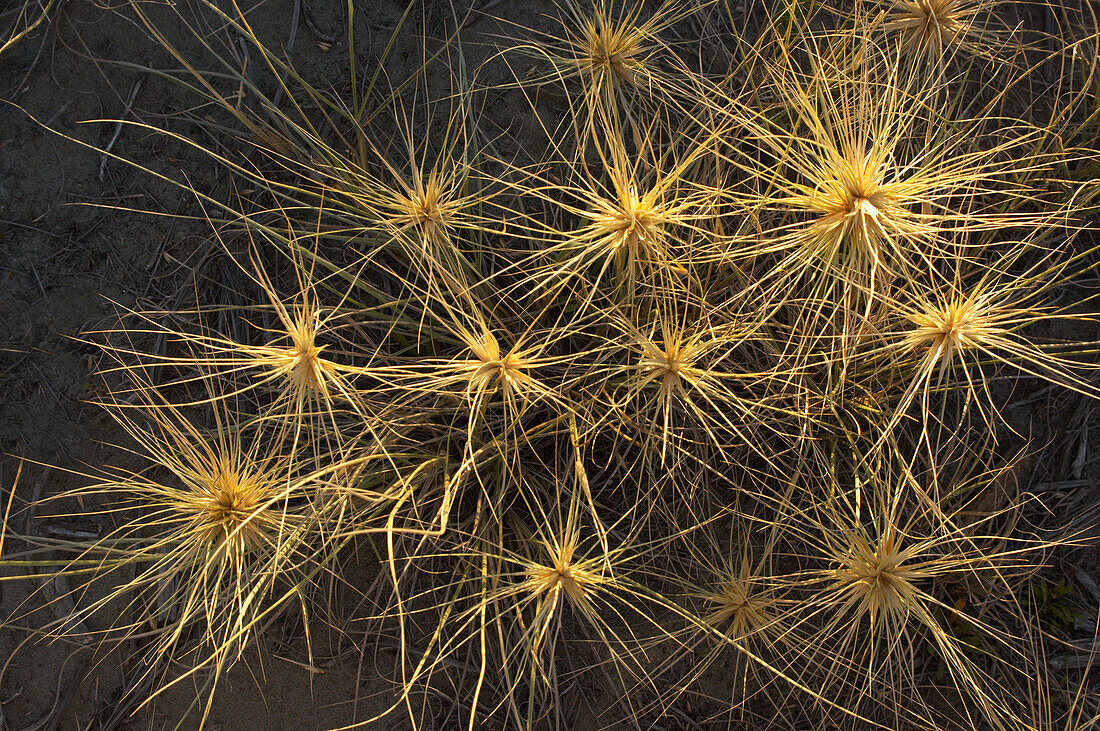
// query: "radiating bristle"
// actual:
[[951, 328], [301, 362], [928, 24], [563, 575], [859, 208], [741, 607], [634, 228], [611, 49]]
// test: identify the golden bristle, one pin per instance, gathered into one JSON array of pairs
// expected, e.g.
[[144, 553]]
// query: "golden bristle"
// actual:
[[676, 388], [631, 226], [425, 204], [948, 328], [673, 359], [563, 575], [491, 369], [611, 51], [666, 359], [858, 206], [306, 370], [297, 361], [559, 569]]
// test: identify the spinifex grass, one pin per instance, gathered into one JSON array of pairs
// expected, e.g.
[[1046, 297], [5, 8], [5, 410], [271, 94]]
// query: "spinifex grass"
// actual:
[[413, 190], [689, 382], [977, 324], [562, 580], [614, 57], [932, 32], [215, 535], [858, 180], [302, 382], [640, 213], [738, 605], [432, 205], [879, 595], [539, 389]]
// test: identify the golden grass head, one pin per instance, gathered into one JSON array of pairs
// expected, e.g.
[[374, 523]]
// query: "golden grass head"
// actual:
[[640, 213], [491, 369], [231, 504], [928, 28], [227, 501], [602, 50], [425, 204], [631, 227], [562, 574], [222, 511], [972, 328], [862, 201], [927, 23], [670, 358], [610, 51], [677, 387], [877, 577], [858, 207], [950, 328], [300, 362], [893, 548], [741, 605]]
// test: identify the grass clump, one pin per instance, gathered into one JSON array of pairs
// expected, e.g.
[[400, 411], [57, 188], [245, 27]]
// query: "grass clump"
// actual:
[[708, 372]]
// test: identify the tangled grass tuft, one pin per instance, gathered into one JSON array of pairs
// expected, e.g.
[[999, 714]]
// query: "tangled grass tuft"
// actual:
[[712, 372]]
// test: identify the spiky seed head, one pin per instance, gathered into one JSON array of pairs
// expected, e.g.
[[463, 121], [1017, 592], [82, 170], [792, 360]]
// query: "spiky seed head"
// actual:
[[563, 575], [425, 204], [676, 356], [927, 27], [876, 577], [230, 504], [858, 206], [672, 363], [493, 370], [666, 359], [308, 369], [611, 51], [300, 362], [425, 211], [631, 225], [742, 606], [949, 328]]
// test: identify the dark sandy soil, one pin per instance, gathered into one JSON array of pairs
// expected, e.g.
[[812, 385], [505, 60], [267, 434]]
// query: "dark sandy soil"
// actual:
[[77, 242]]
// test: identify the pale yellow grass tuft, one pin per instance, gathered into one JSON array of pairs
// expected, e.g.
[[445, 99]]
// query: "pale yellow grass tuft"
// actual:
[[931, 30], [742, 606]]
